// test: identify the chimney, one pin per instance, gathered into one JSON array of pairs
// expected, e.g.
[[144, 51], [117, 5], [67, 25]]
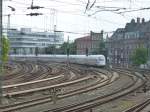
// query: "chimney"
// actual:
[[91, 34], [133, 21], [143, 20], [138, 20], [102, 32]]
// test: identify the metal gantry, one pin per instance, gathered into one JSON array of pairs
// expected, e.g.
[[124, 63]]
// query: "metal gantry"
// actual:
[[68, 50], [55, 40]]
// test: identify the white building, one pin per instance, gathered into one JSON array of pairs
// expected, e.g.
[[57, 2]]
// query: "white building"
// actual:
[[25, 41]]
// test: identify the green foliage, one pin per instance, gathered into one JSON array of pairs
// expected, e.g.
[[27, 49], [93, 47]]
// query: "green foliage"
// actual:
[[72, 48], [5, 48], [50, 50], [36, 51], [102, 48], [139, 56], [62, 50]]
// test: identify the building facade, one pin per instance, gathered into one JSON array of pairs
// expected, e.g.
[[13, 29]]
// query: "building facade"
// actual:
[[90, 43], [25, 41], [124, 41], [82, 44]]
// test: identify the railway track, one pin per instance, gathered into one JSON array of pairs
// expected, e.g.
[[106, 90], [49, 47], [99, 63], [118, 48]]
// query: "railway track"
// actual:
[[37, 101], [42, 101], [139, 107], [78, 81], [79, 107], [29, 86], [21, 75], [28, 71], [46, 87], [70, 93]]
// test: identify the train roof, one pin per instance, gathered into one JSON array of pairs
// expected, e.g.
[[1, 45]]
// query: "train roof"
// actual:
[[77, 56]]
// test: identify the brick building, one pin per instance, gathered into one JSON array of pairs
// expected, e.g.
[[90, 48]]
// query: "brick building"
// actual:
[[91, 42], [124, 41], [83, 43]]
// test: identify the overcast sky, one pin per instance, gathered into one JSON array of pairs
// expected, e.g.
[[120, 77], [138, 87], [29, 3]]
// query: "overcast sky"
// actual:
[[70, 15]]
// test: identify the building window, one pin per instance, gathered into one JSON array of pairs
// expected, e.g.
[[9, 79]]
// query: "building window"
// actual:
[[15, 51], [31, 50]]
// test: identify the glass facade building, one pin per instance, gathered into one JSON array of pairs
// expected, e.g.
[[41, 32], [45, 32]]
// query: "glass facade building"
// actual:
[[24, 41]]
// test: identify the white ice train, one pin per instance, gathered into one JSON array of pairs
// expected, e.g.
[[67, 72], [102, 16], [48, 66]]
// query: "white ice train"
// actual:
[[95, 60]]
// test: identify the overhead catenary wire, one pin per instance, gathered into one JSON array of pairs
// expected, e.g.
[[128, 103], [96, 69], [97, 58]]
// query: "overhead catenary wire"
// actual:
[[110, 10], [46, 7], [98, 19], [88, 6], [64, 31], [68, 3], [92, 4], [117, 11], [105, 7], [141, 9], [25, 5], [77, 14], [79, 4], [81, 1], [43, 29], [61, 2], [81, 14]]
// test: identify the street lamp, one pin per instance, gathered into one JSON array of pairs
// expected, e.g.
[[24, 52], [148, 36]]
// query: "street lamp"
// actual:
[[8, 23], [68, 50], [54, 39], [1, 30], [12, 8], [148, 49]]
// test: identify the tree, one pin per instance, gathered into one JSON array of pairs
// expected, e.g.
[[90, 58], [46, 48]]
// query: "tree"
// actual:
[[101, 49], [140, 56], [71, 46], [50, 50], [5, 48], [63, 48], [4, 57], [36, 51]]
